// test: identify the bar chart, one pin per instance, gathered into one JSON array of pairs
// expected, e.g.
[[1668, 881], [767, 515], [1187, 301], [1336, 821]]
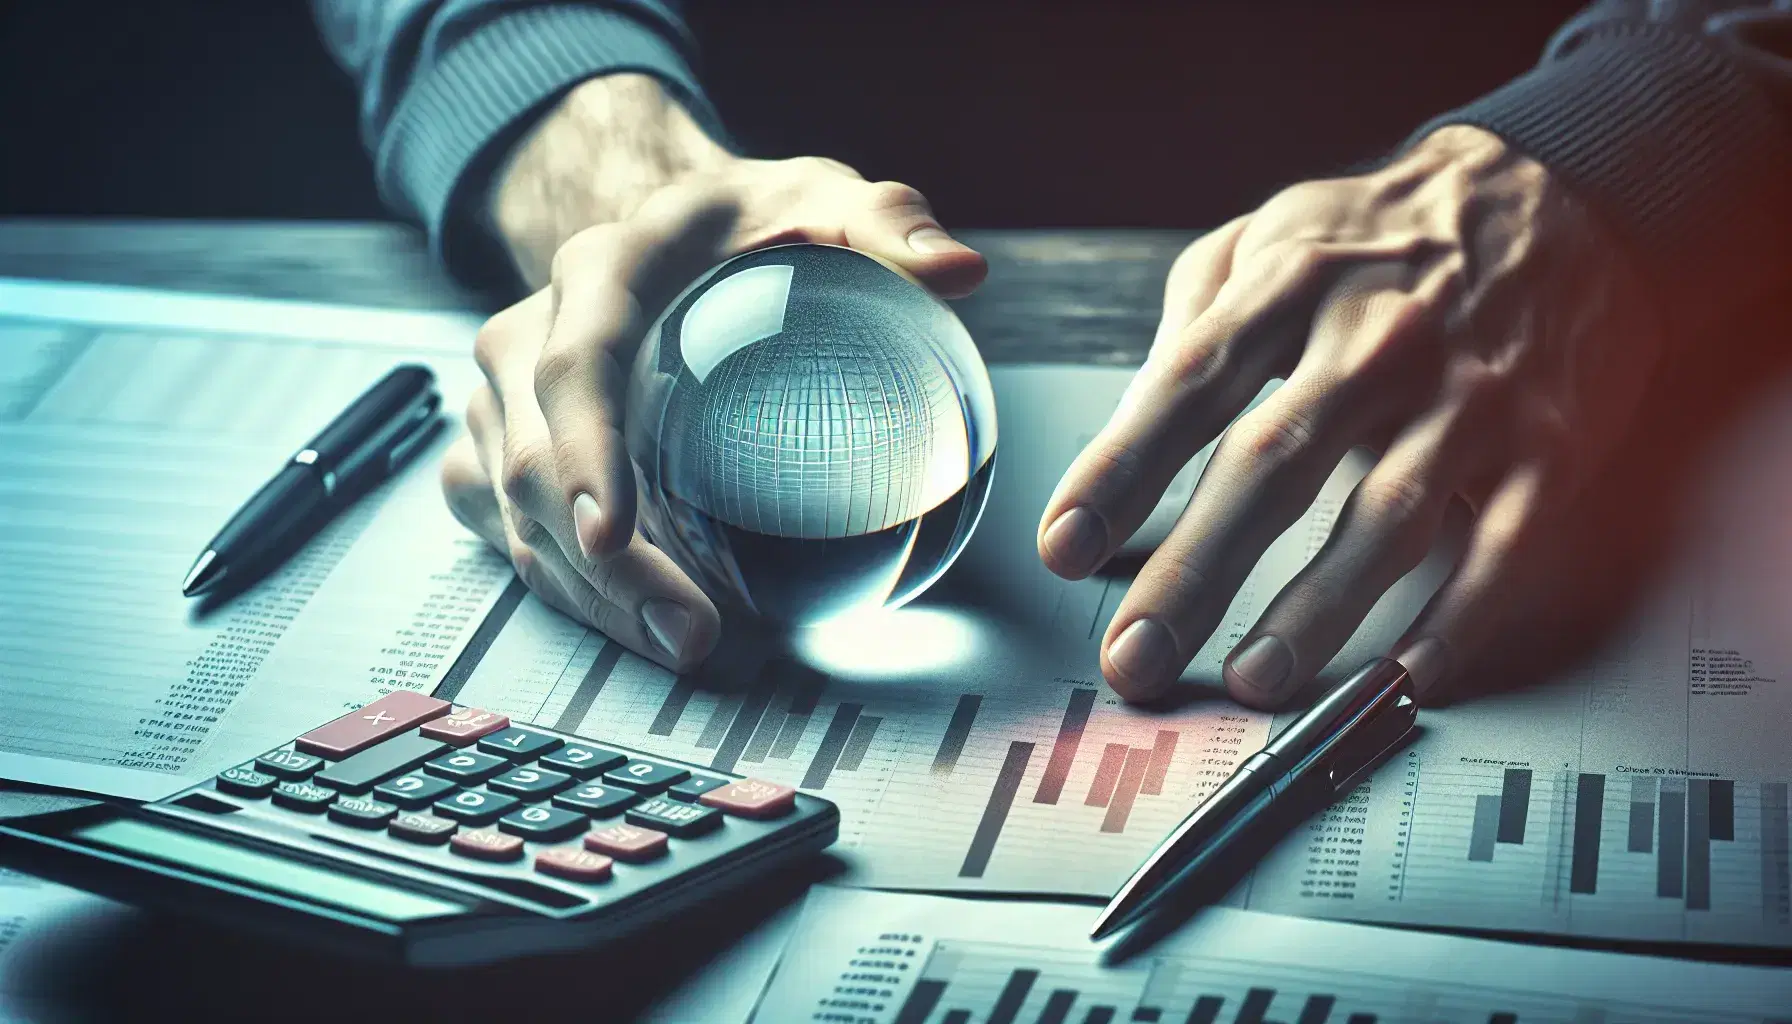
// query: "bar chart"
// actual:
[[890, 958]]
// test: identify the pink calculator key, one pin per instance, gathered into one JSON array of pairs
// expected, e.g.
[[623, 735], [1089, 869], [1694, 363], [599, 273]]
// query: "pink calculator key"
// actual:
[[464, 726], [751, 798], [627, 842], [358, 730], [484, 844], [573, 865]]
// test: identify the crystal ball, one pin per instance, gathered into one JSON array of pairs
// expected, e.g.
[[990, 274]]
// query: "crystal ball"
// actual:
[[813, 433]]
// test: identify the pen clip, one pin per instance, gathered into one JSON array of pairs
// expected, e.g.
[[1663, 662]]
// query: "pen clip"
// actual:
[[1385, 722]]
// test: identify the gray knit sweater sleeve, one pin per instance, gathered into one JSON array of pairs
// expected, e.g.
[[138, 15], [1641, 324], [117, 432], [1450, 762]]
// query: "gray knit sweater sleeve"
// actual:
[[1673, 118], [447, 85]]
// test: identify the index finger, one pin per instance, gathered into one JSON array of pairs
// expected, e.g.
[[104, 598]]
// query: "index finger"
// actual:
[[609, 283]]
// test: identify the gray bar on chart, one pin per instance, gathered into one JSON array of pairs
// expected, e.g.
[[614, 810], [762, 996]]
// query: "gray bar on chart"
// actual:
[[860, 741], [1369, 1018], [1206, 1010], [957, 731], [1107, 776], [1670, 841], [1256, 1004], [717, 726], [673, 708], [745, 722], [1642, 815], [1515, 805], [761, 743], [921, 1001], [1124, 794], [589, 687], [808, 686], [995, 813], [1776, 864], [1014, 993], [1589, 814], [1698, 844], [1316, 1010], [1070, 736], [1057, 1006], [1487, 823], [1161, 753], [832, 743], [1723, 809], [1099, 1015], [956, 1017]]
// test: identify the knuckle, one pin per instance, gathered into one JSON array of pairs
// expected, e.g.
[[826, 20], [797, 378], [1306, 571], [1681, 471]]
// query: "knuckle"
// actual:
[[894, 195], [1117, 463], [525, 468], [1274, 439], [1198, 359], [584, 249], [527, 564], [534, 534], [599, 612], [560, 363], [491, 341], [1393, 499]]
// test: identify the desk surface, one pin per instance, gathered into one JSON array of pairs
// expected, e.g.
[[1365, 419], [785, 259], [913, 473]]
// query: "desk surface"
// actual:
[[1059, 296]]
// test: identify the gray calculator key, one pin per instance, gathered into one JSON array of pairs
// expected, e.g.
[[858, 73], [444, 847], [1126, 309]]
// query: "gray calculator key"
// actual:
[[412, 791], [362, 812], [530, 783], [519, 744], [303, 797], [544, 824], [288, 764], [401, 753], [475, 806], [244, 780], [674, 817], [645, 776], [467, 767], [582, 760]]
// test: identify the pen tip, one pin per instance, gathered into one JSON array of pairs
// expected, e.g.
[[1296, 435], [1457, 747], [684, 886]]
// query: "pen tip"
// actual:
[[205, 573]]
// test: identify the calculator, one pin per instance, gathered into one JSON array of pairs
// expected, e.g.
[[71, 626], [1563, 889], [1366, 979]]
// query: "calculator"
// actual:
[[417, 831]]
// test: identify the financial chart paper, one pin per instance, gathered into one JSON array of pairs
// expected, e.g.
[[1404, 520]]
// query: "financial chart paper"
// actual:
[[892, 958], [132, 424], [1642, 794]]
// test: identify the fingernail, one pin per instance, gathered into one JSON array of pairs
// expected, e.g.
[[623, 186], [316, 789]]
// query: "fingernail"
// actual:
[[1144, 652], [931, 240], [1263, 665], [1425, 662], [587, 519], [1077, 540], [669, 623]]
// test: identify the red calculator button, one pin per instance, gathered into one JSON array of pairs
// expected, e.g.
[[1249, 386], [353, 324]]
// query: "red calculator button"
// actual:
[[484, 844], [358, 730], [627, 842], [465, 725], [573, 865], [751, 798]]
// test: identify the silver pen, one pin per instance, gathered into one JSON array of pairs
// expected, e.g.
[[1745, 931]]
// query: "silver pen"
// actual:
[[1320, 756]]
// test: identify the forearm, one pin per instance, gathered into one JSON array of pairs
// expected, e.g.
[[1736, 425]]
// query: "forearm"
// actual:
[[1674, 122], [448, 87]]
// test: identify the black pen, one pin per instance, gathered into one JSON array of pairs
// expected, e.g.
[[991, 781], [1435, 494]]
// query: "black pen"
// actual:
[[1320, 756], [361, 447]]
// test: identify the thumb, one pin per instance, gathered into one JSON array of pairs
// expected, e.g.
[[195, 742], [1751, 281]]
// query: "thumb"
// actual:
[[893, 221]]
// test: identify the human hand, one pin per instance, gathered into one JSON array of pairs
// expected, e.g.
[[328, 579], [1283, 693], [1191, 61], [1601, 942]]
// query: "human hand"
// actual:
[[1457, 312], [544, 474]]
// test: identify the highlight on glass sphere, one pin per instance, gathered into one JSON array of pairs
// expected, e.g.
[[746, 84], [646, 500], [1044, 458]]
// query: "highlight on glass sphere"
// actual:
[[813, 431]]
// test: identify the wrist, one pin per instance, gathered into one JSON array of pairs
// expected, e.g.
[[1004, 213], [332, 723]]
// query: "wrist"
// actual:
[[593, 158]]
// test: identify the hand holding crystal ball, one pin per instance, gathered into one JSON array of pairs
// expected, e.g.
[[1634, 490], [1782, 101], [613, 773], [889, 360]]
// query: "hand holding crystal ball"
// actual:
[[813, 431]]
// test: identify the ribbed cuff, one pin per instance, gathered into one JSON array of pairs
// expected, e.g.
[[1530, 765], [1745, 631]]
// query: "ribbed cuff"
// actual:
[[459, 118], [1665, 138]]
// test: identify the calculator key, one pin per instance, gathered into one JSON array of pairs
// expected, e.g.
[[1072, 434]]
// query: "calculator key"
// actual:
[[695, 786], [674, 817], [597, 800], [464, 726], [418, 827], [244, 780], [412, 791], [530, 783], [380, 762], [303, 797], [467, 767], [484, 844], [519, 744], [356, 731], [540, 824], [627, 842], [362, 812], [573, 865], [582, 761], [752, 798], [289, 764], [645, 776], [475, 807]]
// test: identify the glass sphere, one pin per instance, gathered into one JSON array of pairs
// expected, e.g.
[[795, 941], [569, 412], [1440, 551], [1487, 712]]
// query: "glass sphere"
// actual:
[[813, 432]]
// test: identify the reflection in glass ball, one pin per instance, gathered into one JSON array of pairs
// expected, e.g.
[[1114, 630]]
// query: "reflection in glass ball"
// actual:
[[813, 431]]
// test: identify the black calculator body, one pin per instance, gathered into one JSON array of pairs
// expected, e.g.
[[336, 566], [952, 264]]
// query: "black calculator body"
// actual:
[[434, 836]]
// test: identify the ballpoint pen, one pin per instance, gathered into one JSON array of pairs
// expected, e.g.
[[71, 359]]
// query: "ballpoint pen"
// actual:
[[1320, 756], [375, 435]]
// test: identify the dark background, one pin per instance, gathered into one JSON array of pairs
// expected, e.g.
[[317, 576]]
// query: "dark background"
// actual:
[[1007, 115]]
